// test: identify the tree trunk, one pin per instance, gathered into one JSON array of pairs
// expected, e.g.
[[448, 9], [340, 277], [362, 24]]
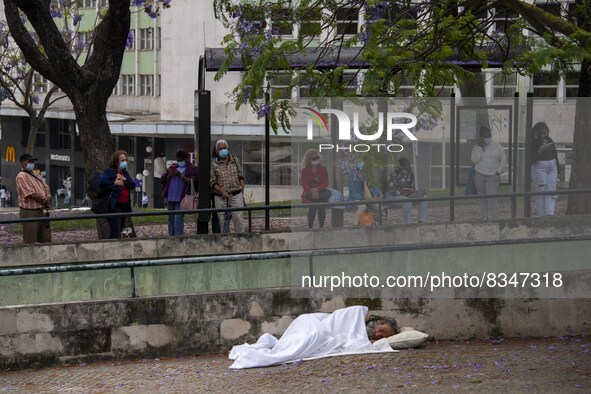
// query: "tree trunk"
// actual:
[[581, 164], [36, 125], [97, 144]]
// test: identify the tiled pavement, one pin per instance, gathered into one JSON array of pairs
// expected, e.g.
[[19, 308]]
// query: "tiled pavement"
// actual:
[[554, 365]]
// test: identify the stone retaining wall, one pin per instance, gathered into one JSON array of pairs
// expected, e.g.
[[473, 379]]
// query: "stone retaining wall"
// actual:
[[193, 324], [196, 245]]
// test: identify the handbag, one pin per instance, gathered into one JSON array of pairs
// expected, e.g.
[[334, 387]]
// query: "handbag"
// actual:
[[189, 202], [100, 205], [470, 188], [366, 219]]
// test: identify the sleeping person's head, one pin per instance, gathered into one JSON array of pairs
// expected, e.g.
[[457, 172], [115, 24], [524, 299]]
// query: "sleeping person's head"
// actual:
[[379, 327]]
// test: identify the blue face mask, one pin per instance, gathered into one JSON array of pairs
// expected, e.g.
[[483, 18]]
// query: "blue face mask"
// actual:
[[223, 153], [182, 163], [487, 141], [123, 165], [30, 166]]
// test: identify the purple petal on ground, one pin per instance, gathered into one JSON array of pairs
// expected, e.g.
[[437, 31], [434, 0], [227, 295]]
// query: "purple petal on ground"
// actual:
[[370, 367], [325, 380], [533, 347]]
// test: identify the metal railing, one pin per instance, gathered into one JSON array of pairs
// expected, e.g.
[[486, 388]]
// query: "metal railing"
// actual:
[[381, 203], [307, 253]]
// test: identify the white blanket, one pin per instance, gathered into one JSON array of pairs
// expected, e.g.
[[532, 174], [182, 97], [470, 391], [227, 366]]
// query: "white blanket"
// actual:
[[313, 335]]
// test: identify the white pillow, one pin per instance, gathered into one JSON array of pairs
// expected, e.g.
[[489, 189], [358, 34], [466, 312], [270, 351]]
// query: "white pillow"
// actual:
[[407, 338]]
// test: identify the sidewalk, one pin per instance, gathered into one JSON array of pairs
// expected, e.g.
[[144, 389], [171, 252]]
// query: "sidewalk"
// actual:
[[535, 365]]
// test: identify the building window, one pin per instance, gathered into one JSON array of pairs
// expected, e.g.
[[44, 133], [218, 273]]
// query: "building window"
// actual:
[[347, 20], [146, 85], [280, 88], [88, 4], [281, 22], [39, 83], [311, 23], [128, 85], [545, 84], [550, 6], [504, 85], [131, 41], [146, 39], [503, 18]]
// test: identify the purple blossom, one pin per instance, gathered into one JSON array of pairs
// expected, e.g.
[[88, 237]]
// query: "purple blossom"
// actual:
[[77, 19], [265, 110], [35, 99], [137, 3], [129, 41]]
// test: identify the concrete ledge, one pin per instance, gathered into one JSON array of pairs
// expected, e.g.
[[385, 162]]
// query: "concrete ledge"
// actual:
[[193, 324], [214, 244]]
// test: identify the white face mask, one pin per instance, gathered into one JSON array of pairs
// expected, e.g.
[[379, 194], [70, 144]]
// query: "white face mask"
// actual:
[[487, 141], [315, 162]]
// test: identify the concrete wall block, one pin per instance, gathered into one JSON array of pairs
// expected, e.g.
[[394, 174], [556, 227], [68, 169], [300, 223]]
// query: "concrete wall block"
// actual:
[[384, 236], [28, 322], [6, 347], [234, 328], [195, 246], [331, 305], [512, 230], [11, 256], [406, 235], [145, 248], [25, 344], [146, 311], [275, 242], [63, 253], [117, 250], [129, 338], [349, 237], [255, 310], [84, 316], [170, 247], [33, 255], [91, 251], [488, 231], [7, 322], [434, 233], [276, 326], [160, 335], [46, 342]]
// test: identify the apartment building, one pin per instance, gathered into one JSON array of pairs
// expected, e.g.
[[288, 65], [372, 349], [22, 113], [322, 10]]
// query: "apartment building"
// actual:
[[152, 108]]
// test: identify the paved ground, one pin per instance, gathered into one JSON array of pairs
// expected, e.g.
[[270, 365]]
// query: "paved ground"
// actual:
[[556, 365]]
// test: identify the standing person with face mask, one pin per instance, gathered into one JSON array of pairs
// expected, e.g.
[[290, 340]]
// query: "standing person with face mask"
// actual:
[[116, 180], [227, 181], [314, 180], [34, 197], [544, 168], [490, 162], [177, 183]]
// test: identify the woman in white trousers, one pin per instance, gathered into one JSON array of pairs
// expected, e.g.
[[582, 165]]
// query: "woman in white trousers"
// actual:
[[544, 168]]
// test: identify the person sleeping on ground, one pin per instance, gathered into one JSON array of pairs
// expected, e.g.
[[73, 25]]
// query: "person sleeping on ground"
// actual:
[[314, 335]]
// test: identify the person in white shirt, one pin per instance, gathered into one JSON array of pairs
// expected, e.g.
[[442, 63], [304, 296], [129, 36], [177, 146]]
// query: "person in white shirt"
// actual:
[[145, 201], [3, 196], [490, 162]]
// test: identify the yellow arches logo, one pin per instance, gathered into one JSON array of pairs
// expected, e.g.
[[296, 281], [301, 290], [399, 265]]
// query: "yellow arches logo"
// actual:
[[10, 154]]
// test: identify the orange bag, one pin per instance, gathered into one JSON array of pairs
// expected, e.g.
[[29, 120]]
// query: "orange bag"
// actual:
[[366, 219]]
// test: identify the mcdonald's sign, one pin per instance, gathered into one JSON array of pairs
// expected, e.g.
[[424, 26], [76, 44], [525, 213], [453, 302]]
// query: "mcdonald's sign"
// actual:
[[10, 154]]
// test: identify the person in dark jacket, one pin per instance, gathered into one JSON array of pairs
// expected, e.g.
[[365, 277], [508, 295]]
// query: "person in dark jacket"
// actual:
[[177, 183], [544, 168], [116, 181]]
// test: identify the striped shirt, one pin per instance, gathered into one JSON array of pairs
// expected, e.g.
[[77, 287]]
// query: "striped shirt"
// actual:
[[28, 183], [227, 176]]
